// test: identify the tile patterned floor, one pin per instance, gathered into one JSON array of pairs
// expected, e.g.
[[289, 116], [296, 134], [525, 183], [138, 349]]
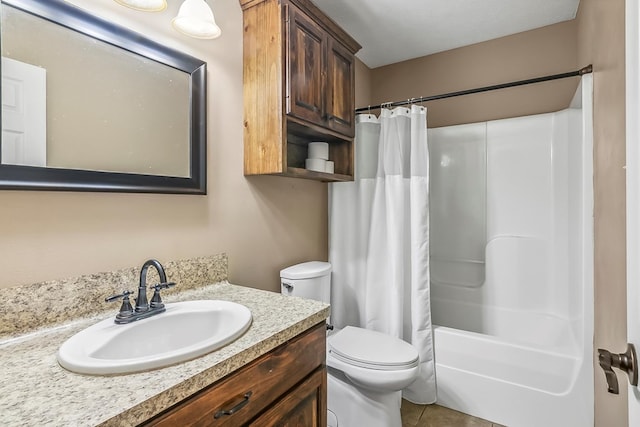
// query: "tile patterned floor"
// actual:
[[438, 416]]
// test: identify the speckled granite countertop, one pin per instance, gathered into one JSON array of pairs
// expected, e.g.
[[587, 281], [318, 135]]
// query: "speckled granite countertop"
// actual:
[[36, 391]]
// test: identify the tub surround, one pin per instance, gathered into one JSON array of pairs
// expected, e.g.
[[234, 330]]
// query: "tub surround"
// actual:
[[43, 393], [516, 347]]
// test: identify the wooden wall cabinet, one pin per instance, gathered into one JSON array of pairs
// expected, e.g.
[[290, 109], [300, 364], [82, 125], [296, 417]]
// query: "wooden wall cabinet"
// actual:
[[287, 386], [299, 71]]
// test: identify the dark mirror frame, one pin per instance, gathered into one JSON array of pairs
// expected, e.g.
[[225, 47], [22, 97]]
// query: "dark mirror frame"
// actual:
[[15, 177]]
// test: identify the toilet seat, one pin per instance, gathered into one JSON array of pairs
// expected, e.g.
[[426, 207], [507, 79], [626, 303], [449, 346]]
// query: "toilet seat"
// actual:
[[372, 350]]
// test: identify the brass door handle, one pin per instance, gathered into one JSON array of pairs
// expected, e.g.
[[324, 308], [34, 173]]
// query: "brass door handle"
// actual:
[[626, 362]]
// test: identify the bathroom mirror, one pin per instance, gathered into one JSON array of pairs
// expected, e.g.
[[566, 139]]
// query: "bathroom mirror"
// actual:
[[91, 106]]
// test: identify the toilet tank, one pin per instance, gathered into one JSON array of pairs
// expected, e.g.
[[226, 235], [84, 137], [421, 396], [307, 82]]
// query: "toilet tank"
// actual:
[[307, 280]]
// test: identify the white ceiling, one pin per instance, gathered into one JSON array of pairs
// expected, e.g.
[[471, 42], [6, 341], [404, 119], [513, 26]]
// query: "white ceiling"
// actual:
[[393, 31]]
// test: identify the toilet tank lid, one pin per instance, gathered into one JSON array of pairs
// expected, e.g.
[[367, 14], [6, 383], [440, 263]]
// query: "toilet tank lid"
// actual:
[[306, 270]]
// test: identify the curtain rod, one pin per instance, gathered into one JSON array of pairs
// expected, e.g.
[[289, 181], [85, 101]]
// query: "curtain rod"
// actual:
[[585, 70]]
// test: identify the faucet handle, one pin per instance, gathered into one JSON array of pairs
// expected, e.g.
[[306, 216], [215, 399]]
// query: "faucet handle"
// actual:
[[124, 295], [164, 285], [126, 310], [156, 301]]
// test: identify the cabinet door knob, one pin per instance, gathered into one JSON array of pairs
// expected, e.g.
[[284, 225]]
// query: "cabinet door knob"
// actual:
[[236, 408]]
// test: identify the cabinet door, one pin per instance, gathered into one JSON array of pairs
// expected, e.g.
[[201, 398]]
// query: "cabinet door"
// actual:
[[305, 405], [340, 110], [305, 67], [254, 388]]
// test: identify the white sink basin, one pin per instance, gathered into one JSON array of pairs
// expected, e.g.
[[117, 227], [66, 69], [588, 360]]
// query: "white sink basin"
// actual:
[[185, 331]]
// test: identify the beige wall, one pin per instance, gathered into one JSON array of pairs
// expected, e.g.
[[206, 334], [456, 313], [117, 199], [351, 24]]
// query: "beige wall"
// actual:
[[535, 53], [601, 38], [263, 223], [363, 84]]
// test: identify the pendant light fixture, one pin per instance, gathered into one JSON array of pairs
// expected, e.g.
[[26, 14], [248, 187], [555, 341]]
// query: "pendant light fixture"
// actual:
[[144, 5], [195, 19]]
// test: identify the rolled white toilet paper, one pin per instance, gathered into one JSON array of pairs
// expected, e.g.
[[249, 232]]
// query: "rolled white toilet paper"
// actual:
[[329, 166], [318, 150], [318, 165]]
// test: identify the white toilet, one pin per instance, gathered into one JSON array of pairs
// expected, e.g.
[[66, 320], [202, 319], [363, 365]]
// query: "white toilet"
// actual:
[[366, 369]]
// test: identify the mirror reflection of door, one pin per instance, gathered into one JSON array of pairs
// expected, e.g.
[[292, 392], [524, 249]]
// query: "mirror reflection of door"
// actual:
[[24, 95]]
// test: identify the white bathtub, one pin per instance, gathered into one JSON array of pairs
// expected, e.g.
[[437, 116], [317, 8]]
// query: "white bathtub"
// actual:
[[510, 384], [526, 328]]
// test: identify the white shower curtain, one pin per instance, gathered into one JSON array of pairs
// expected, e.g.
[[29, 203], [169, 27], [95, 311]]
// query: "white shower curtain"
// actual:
[[379, 237]]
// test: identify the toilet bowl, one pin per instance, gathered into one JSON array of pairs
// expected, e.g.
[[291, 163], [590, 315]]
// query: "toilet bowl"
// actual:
[[372, 360], [366, 370]]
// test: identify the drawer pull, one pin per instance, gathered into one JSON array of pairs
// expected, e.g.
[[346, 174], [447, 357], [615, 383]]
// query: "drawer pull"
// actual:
[[242, 404]]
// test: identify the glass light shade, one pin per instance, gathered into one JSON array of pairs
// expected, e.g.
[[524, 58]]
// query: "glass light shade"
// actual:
[[195, 19], [144, 5]]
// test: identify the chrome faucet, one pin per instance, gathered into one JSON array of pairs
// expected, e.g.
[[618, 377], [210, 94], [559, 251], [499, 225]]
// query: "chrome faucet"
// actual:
[[142, 309]]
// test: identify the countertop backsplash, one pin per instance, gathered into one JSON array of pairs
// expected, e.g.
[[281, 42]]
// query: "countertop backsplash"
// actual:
[[24, 309]]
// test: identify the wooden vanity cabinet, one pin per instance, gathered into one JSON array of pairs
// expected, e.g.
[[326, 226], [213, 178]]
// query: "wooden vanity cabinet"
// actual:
[[287, 386], [299, 72]]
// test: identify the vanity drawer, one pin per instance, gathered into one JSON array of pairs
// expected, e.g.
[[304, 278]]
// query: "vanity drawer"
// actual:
[[254, 388]]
